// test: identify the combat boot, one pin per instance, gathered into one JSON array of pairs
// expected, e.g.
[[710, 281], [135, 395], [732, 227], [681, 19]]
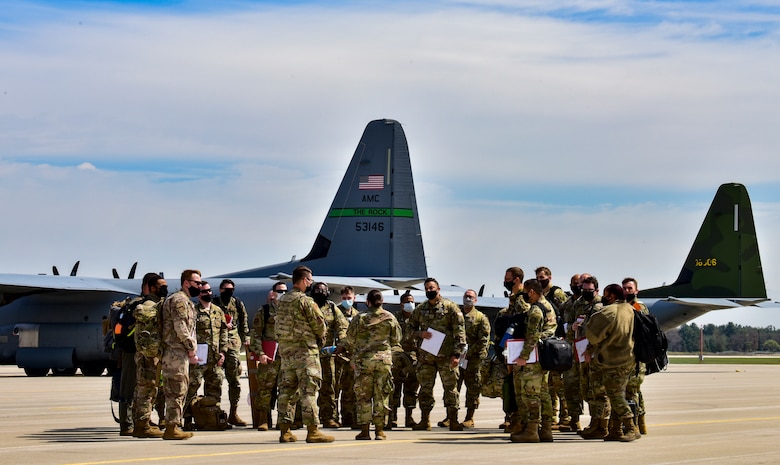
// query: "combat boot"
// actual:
[[262, 420], [573, 425], [234, 419], [468, 422], [529, 434], [315, 435], [598, 432], [452, 417], [143, 429], [641, 424], [444, 423], [364, 435], [379, 434], [285, 434], [330, 423], [392, 419], [631, 431], [172, 431], [409, 421], [425, 422], [545, 432], [591, 426], [615, 429]]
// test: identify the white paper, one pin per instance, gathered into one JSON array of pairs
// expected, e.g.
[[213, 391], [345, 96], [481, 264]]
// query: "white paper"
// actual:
[[513, 349], [202, 352], [580, 345], [433, 344]]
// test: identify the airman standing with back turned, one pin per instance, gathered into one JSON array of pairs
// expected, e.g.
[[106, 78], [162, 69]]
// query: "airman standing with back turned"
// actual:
[[637, 376]]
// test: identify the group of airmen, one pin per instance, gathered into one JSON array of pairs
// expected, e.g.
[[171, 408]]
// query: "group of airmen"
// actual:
[[311, 352]]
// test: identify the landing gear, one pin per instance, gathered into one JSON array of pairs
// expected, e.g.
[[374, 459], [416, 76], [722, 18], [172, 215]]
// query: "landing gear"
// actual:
[[93, 369], [36, 372]]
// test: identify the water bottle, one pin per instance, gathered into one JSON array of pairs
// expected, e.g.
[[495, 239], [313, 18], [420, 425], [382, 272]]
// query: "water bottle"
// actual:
[[510, 331]]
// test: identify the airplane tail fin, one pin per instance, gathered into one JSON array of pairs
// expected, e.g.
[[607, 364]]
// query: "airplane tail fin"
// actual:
[[724, 261], [372, 228]]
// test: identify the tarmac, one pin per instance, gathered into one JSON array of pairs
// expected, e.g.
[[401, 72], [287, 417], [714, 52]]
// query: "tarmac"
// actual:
[[710, 414]]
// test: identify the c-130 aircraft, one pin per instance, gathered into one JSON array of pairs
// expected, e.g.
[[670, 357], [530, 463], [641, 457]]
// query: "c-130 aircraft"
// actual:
[[56, 322], [370, 239]]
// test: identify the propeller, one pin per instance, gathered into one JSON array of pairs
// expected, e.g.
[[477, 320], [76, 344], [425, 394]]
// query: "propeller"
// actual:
[[481, 290], [73, 270], [130, 275]]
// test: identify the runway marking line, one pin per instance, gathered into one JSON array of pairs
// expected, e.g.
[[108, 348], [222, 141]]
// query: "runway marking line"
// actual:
[[361, 443]]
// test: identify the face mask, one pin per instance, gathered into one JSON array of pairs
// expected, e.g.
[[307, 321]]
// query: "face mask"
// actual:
[[206, 297], [630, 297], [194, 291], [376, 304], [525, 296], [575, 289], [544, 282], [162, 292], [225, 295], [508, 285], [408, 307], [468, 302], [588, 295], [308, 289], [320, 298], [346, 303], [430, 295]]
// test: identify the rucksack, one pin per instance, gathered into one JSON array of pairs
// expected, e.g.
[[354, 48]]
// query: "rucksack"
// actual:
[[559, 331], [147, 328], [208, 416], [650, 343], [121, 327], [555, 354], [493, 372]]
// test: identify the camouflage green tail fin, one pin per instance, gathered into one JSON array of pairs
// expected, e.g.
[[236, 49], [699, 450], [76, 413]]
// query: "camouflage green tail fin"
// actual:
[[724, 261]]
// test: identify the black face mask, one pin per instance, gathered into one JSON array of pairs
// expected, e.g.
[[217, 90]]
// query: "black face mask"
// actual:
[[206, 297], [588, 295], [430, 295], [225, 295], [630, 297], [320, 298], [543, 282], [194, 291], [508, 285], [575, 289], [162, 292], [525, 296]]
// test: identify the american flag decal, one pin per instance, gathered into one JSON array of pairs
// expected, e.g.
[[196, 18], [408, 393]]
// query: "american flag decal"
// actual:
[[372, 182]]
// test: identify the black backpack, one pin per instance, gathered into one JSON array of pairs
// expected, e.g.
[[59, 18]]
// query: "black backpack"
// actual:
[[559, 331], [555, 354], [650, 343]]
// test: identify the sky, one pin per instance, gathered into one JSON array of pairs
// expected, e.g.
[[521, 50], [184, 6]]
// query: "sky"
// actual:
[[578, 135]]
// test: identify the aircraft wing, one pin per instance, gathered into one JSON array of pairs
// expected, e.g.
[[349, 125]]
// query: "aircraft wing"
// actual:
[[34, 284], [717, 304], [360, 285]]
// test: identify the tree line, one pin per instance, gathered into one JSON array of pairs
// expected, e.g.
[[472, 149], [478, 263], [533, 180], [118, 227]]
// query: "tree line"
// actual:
[[724, 338]]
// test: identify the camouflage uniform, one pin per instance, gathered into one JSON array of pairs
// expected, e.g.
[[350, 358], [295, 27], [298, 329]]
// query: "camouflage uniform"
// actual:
[[609, 332], [405, 366], [178, 338], [335, 331], [369, 338], [528, 379], [211, 329], [236, 337], [555, 378], [300, 329], [577, 385], [147, 375], [516, 306], [263, 326], [477, 329], [637, 375], [444, 316], [549, 325], [345, 378]]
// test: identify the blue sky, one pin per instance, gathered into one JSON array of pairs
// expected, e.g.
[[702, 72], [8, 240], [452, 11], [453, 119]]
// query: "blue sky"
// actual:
[[537, 129]]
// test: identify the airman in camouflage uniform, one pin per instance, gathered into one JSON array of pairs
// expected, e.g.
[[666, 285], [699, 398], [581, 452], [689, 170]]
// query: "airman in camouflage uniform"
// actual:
[[210, 329], [549, 326], [179, 344], [637, 377], [571, 383], [147, 365], [238, 337], [554, 379], [345, 375], [529, 377], [335, 331], [477, 328], [370, 336], [404, 367], [263, 329], [610, 354], [442, 315], [300, 330]]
